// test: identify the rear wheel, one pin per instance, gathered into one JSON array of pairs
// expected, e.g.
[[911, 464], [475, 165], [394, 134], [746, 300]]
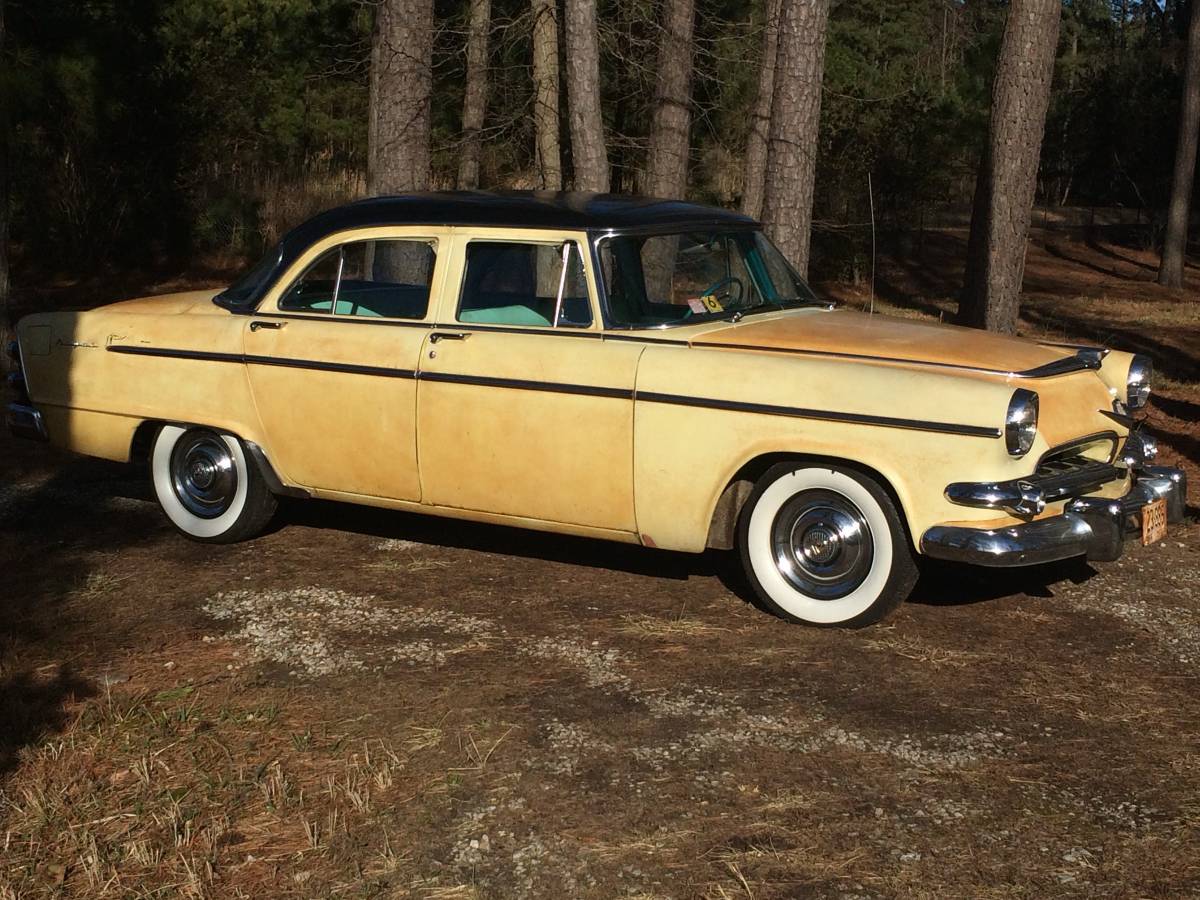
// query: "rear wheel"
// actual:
[[208, 486], [825, 545]]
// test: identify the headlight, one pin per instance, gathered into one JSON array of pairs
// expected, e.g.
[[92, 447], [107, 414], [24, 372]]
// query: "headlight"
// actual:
[[1137, 391], [1020, 424]]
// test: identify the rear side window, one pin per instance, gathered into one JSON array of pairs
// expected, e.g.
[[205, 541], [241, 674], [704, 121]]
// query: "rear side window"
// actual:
[[525, 284], [372, 279]]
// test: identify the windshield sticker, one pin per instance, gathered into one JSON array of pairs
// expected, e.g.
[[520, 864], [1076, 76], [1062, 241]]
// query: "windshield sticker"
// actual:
[[712, 303], [697, 305]]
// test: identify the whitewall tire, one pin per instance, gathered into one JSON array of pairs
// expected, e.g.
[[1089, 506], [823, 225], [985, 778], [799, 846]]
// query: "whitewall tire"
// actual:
[[207, 485], [825, 545]]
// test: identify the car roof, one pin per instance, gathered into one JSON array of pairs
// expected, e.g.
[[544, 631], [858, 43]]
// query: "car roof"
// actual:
[[518, 209], [558, 210]]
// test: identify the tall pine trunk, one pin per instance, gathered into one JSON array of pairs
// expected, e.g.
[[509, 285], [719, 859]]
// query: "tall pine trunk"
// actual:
[[5, 314], [760, 120], [795, 123], [545, 94], [1170, 271], [475, 94], [589, 156], [401, 84], [667, 160], [1007, 178]]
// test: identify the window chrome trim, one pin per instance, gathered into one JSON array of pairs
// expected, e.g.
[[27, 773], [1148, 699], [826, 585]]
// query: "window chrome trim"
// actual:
[[332, 315], [597, 238], [552, 328]]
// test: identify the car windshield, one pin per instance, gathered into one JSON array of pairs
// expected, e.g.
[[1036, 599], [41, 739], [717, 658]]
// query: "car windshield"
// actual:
[[248, 288], [675, 279]]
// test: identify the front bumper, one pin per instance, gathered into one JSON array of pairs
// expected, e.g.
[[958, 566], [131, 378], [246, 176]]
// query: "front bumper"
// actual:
[[1094, 527], [24, 421]]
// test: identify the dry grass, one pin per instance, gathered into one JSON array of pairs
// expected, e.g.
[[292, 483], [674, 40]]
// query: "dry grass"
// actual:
[[656, 627], [195, 796]]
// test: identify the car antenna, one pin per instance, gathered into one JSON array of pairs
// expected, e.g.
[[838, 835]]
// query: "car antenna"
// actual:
[[871, 199]]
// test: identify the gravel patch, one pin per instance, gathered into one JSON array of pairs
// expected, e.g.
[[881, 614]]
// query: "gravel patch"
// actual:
[[317, 632]]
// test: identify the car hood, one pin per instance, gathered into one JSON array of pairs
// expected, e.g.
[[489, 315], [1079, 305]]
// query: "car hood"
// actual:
[[170, 304], [854, 334]]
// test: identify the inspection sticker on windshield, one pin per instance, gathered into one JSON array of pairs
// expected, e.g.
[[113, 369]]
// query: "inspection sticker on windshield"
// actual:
[[705, 304], [1154, 521]]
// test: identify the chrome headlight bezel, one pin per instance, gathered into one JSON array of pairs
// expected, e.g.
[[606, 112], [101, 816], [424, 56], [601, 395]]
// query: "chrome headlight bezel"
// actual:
[[1137, 383], [1020, 422]]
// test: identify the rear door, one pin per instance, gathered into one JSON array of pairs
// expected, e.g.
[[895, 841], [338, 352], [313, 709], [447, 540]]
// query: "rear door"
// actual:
[[332, 362]]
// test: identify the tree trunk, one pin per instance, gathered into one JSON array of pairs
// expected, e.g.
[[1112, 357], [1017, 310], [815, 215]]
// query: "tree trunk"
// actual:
[[545, 94], [795, 122], [589, 156], [401, 84], [6, 322], [667, 160], [1170, 271], [760, 119], [475, 94], [1007, 177]]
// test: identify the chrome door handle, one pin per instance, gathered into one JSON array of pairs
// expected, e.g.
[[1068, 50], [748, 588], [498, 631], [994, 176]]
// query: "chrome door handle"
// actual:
[[448, 336], [254, 326]]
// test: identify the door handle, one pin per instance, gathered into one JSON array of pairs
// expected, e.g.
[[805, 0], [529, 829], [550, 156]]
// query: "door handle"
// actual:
[[254, 326], [448, 336]]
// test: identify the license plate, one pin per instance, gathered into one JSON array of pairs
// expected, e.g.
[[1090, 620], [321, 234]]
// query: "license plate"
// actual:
[[1154, 521]]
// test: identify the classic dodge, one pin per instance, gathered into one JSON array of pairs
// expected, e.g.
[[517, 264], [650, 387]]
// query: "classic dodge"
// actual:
[[638, 370]]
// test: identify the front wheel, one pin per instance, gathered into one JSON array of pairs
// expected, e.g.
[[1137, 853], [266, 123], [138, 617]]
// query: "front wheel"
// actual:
[[825, 545], [208, 487]]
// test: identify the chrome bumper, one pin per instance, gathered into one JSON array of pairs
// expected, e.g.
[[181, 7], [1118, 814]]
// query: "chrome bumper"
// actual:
[[24, 421], [1094, 527]]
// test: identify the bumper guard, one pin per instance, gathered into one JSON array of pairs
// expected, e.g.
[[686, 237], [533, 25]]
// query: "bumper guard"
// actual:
[[24, 421], [1094, 527]]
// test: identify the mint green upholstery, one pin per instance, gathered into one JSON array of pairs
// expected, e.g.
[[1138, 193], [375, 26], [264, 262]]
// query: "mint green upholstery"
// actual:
[[503, 315]]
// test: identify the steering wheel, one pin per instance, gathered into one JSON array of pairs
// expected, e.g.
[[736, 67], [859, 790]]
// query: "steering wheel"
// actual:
[[726, 285]]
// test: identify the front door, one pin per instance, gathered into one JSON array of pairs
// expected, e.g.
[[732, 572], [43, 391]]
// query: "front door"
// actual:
[[523, 410], [333, 361]]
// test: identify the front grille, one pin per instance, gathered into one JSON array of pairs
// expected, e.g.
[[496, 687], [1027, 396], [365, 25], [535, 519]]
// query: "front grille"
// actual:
[[1072, 475]]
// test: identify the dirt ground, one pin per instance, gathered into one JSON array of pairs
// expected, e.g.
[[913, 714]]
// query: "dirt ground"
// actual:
[[371, 704]]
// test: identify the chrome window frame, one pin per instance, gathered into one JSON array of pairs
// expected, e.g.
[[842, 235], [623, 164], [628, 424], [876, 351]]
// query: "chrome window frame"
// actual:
[[553, 326], [596, 238], [431, 242]]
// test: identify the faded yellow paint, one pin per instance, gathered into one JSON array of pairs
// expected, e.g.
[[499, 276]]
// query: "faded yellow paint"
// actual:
[[585, 457]]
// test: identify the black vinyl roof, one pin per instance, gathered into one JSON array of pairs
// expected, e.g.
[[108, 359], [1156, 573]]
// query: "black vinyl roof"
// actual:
[[518, 209], [482, 209]]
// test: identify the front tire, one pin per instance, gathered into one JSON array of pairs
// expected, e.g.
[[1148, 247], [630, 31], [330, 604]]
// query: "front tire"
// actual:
[[207, 486], [825, 545]]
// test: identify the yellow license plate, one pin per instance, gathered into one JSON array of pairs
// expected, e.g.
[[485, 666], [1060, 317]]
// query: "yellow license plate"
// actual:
[[1154, 521]]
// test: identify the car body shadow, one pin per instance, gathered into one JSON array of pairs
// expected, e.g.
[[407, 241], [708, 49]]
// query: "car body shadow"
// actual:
[[957, 584]]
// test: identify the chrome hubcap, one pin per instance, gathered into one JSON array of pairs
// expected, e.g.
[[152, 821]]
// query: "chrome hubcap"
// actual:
[[203, 473], [822, 544]]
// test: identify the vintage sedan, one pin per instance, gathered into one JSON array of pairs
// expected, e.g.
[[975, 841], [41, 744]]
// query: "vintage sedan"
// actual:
[[646, 371]]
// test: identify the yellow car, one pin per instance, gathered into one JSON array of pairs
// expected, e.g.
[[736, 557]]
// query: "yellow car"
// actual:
[[646, 371]]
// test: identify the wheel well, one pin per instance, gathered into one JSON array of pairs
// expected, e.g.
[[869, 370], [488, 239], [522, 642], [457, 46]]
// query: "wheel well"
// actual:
[[722, 529], [143, 440]]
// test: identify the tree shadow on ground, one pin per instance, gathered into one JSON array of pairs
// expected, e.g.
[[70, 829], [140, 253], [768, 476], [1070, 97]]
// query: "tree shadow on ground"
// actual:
[[1170, 360], [33, 708], [56, 532], [1058, 249]]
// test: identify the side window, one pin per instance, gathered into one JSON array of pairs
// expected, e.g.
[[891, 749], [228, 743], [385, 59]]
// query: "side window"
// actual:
[[525, 284], [373, 279], [313, 291]]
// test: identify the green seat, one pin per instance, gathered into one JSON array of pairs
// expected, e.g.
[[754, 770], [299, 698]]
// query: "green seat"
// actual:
[[504, 315]]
